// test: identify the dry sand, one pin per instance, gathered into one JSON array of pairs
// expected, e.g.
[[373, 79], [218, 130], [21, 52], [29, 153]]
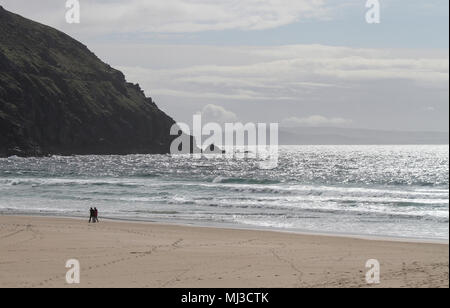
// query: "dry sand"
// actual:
[[33, 253]]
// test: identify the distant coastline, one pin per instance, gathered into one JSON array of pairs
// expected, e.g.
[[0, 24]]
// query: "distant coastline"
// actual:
[[351, 136]]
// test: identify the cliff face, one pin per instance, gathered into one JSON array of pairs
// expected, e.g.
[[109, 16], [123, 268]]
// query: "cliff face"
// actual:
[[57, 97]]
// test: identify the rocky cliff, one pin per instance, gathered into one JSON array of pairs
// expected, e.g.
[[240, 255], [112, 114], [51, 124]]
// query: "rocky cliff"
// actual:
[[57, 97]]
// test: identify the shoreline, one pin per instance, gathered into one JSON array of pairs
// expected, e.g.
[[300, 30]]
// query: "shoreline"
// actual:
[[237, 227], [141, 254]]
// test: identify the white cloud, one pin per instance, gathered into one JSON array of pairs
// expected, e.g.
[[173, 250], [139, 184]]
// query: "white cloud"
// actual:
[[286, 73], [218, 114], [177, 16], [315, 120]]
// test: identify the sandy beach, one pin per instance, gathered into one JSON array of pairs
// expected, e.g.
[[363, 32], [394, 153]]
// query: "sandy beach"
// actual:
[[34, 251]]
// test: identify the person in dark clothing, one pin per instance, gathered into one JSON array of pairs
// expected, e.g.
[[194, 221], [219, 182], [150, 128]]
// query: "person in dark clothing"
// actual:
[[95, 215], [92, 215]]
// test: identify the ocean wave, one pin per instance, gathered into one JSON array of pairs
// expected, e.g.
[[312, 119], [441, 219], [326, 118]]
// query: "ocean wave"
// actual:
[[225, 180], [319, 190], [151, 212], [67, 182]]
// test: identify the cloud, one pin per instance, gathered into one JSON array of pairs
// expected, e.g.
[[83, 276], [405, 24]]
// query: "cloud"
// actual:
[[177, 16], [218, 114], [284, 73], [315, 120]]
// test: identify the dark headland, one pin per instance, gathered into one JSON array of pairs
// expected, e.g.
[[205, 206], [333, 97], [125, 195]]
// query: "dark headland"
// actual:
[[57, 97]]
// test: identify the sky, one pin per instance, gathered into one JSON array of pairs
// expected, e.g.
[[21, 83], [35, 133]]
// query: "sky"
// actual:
[[293, 62]]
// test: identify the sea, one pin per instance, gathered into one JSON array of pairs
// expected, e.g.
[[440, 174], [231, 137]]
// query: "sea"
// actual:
[[382, 191]]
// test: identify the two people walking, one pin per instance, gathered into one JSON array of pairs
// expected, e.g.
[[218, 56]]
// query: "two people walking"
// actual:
[[94, 215]]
